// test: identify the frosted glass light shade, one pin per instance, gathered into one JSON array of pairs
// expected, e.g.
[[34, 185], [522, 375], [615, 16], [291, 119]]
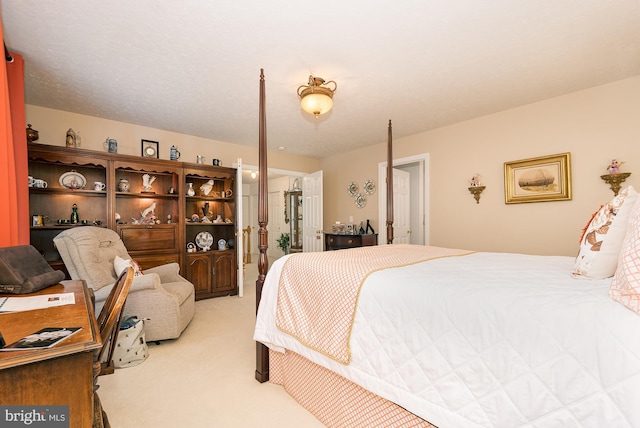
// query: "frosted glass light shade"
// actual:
[[316, 98], [316, 104]]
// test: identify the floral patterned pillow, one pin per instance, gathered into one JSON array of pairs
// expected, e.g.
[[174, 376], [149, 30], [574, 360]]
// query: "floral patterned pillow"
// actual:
[[625, 286], [120, 264], [602, 239]]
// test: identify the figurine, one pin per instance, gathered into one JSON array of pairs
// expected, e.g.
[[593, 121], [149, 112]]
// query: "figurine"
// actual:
[[147, 181], [148, 216], [614, 166], [205, 210], [32, 134], [73, 138], [206, 187], [475, 181], [75, 218]]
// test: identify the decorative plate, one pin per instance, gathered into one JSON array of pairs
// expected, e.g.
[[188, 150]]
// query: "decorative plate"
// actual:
[[353, 189], [222, 244], [361, 200], [204, 240], [72, 180], [369, 187]]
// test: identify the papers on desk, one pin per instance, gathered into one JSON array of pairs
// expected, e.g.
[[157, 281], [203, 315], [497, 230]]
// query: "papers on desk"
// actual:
[[44, 338], [29, 303]]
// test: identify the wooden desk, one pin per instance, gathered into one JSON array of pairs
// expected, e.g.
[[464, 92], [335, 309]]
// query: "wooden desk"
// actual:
[[62, 375]]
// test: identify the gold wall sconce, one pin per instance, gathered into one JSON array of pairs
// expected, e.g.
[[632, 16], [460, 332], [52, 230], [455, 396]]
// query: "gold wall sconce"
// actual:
[[316, 98], [475, 188], [475, 191], [615, 178]]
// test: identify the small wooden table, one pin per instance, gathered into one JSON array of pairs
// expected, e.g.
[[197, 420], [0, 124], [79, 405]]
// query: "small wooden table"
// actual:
[[334, 241], [62, 375]]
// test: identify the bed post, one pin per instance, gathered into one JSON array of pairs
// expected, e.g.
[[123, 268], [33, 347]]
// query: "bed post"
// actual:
[[389, 188], [262, 352]]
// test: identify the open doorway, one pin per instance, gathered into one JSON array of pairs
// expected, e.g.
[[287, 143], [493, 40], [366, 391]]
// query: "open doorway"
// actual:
[[279, 182], [411, 200]]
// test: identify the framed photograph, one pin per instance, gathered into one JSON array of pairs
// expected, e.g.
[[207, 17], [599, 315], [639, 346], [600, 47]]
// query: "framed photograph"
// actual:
[[149, 149], [542, 179]]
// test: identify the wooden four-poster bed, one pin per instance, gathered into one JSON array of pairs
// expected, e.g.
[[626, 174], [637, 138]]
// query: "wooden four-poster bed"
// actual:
[[409, 335]]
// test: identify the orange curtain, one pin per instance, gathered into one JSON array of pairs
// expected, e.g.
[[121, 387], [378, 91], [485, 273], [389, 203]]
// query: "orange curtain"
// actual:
[[14, 170]]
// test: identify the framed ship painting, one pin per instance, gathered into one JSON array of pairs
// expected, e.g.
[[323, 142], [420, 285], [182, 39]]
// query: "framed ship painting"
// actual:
[[541, 179]]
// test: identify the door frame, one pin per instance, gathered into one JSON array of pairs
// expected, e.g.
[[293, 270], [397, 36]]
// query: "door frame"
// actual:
[[423, 160], [253, 209]]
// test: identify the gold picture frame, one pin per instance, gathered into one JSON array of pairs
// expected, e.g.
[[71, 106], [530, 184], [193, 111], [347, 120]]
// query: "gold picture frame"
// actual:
[[541, 179]]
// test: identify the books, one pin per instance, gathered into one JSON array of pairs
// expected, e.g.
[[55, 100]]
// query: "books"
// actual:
[[44, 338], [27, 303]]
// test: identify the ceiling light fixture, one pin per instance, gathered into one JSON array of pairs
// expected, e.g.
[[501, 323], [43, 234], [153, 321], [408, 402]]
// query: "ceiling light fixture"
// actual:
[[316, 98]]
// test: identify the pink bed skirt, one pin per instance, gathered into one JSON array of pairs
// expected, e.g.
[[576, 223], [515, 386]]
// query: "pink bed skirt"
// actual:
[[334, 400]]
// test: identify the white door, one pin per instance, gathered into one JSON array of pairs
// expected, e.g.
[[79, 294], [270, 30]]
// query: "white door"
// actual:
[[312, 212], [401, 207], [238, 239]]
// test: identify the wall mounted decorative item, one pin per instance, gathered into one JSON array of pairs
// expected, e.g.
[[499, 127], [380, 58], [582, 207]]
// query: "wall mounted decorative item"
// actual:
[[476, 191], [615, 178], [541, 179], [475, 188], [352, 189], [369, 187], [361, 200], [150, 149]]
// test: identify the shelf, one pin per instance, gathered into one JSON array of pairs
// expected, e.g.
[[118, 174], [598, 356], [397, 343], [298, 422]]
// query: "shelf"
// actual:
[[146, 195], [209, 199], [209, 224], [63, 226], [54, 191]]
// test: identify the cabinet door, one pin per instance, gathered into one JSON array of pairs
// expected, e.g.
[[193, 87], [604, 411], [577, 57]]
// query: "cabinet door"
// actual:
[[224, 272], [199, 272]]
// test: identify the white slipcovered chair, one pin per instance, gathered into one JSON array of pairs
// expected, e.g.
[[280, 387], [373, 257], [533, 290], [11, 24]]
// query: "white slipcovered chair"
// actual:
[[160, 295]]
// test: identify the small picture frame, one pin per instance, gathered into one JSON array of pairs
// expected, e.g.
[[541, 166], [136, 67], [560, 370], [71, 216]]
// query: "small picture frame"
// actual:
[[541, 179], [150, 149]]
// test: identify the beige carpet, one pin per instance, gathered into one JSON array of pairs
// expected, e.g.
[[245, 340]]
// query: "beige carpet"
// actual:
[[205, 378]]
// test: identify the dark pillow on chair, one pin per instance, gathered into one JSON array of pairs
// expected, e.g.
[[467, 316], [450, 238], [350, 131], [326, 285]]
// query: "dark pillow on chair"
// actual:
[[24, 270]]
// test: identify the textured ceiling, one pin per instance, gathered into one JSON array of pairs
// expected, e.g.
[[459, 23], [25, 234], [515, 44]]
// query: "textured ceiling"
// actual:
[[193, 66]]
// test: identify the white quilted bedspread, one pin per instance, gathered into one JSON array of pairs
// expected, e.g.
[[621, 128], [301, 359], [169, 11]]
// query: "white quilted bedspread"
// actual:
[[488, 340]]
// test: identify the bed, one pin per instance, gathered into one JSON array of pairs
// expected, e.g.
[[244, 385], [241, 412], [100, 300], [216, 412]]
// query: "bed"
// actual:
[[404, 335]]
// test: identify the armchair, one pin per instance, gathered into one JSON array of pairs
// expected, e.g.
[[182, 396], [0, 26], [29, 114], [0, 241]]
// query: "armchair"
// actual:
[[160, 295]]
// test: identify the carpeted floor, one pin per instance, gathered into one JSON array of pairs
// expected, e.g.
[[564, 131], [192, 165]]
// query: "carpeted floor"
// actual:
[[205, 378]]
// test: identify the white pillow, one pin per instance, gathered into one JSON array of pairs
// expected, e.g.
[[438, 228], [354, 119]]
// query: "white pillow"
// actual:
[[120, 264], [602, 239]]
